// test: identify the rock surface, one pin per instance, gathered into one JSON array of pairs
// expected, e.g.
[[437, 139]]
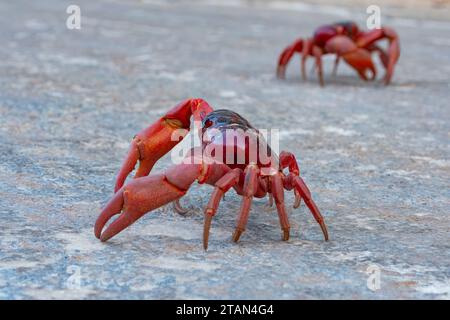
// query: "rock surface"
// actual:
[[376, 158]]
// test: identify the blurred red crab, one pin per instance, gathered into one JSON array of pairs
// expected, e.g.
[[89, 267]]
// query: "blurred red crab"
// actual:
[[347, 41]]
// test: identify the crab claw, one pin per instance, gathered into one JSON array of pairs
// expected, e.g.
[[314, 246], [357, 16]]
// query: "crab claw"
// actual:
[[358, 58], [361, 61], [393, 53], [143, 195], [152, 143], [133, 201]]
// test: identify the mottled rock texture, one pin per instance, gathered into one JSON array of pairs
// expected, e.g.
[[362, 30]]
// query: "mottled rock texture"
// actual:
[[376, 158]]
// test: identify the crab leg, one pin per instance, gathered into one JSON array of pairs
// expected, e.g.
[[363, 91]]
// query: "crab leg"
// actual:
[[278, 195], [307, 48], [301, 187], [250, 188], [286, 56], [288, 160], [335, 66], [224, 184], [264, 189], [317, 52], [152, 143], [293, 180]]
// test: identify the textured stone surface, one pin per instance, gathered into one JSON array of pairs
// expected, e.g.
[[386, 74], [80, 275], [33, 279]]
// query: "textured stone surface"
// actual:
[[376, 158]]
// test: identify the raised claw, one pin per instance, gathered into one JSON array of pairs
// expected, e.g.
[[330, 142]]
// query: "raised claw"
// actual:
[[358, 58], [393, 53], [150, 144]]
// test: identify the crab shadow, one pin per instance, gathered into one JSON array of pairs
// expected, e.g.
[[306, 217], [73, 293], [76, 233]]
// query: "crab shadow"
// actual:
[[355, 82], [336, 81]]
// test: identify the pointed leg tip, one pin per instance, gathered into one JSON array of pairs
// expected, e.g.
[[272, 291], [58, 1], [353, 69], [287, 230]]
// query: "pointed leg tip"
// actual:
[[206, 229], [205, 244], [236, 235], [281, 72], [325, 231], [285, 236]]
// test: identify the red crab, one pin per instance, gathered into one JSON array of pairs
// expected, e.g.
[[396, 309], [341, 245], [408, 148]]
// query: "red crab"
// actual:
[[249, 178], [345, 40]]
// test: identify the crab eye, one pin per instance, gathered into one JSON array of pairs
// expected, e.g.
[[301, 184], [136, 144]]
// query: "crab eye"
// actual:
[[208, 123]]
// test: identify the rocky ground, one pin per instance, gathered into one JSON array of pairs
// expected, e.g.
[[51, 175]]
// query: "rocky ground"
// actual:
[[376, 158]]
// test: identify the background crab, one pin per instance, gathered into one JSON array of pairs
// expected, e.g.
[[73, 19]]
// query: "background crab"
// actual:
[[347, 41]]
